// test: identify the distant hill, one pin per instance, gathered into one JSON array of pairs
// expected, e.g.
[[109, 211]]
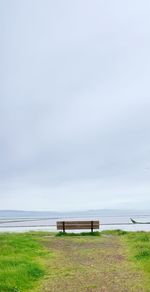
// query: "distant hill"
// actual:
[[55, 214], [29, 214]]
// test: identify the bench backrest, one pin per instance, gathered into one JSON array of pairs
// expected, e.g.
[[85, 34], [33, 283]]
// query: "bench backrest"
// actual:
[[72, 225]]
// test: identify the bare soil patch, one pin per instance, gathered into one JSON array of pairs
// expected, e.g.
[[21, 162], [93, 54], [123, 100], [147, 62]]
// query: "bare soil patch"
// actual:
[[90, 264]]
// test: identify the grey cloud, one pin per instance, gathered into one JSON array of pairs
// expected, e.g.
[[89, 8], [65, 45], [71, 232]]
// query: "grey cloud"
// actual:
[[74, 104]]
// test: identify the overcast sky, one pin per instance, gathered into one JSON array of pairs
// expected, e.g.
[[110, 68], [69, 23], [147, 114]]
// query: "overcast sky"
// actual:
[[74, 104]]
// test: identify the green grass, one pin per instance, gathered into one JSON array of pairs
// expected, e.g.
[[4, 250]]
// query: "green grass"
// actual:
[[99, 261], [139, 249], [21, 261], [114, 232], [95, 233]]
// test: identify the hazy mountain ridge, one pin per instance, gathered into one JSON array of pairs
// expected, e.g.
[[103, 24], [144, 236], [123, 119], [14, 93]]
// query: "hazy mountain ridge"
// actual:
[[98, 212]]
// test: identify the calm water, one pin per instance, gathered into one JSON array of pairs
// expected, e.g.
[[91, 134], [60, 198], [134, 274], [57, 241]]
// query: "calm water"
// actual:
[[116, 219]]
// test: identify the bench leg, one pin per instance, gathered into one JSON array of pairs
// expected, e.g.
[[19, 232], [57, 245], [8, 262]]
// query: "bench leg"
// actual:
[[63, 226], [91, 226]]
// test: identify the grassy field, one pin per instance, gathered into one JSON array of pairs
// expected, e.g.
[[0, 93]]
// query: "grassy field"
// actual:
[[108, 262], [21, 261]]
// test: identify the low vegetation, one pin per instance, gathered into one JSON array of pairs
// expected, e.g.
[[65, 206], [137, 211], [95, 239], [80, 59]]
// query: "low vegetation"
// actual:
[[95, 233], [106, 262], [21, 261], [139, 250]]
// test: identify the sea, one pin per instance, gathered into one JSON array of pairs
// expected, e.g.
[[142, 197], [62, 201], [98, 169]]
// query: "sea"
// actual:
[[22, 221]]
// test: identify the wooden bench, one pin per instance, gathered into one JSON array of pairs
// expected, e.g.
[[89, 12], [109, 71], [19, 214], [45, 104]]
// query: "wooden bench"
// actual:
[[72, 225]]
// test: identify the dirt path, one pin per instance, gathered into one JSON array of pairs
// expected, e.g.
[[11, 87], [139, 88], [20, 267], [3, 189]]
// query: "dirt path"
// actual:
[[90, 264]]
